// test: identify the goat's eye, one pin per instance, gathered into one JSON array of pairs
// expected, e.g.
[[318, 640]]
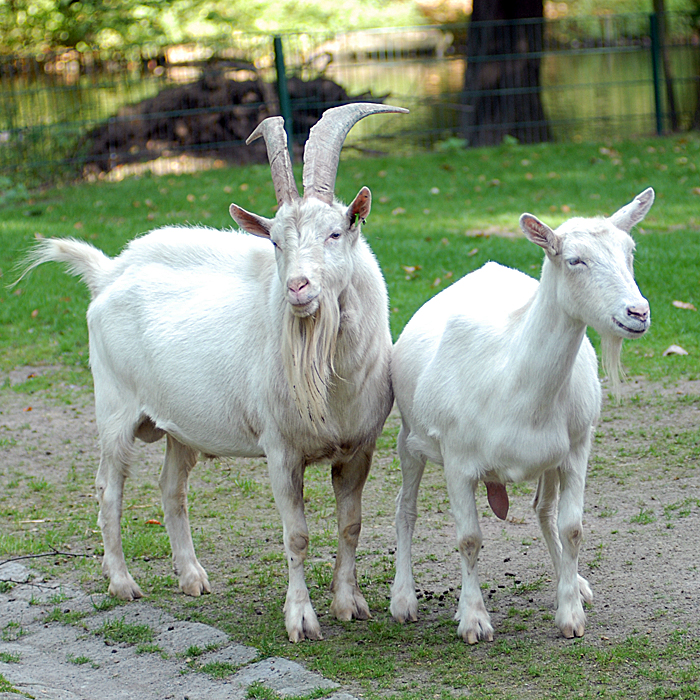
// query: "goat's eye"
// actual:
[[335, 235], [576, 262], [273, 243]]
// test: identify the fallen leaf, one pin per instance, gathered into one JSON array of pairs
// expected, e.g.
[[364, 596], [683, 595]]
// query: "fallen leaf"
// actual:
[[674, 350], [153, 522], [472, 252], [398, 210], [684, 305]]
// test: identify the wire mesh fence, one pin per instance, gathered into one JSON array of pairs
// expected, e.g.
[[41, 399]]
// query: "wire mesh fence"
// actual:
[[99, 112]]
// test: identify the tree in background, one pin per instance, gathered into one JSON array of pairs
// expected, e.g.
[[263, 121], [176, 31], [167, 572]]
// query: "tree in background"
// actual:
[[501, 93]]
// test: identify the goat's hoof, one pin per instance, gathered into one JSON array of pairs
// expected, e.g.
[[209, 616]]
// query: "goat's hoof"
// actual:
[[404, 607], [572, 625], [475, 627], [125, 588], [306, 631], [301, 622], [195, 583], [352, 606]]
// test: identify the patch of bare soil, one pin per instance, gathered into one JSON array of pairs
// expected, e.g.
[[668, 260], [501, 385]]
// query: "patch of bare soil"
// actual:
[[642, 512]]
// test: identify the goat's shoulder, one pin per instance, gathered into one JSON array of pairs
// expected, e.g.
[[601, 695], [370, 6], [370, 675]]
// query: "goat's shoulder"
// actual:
[[483, 302]]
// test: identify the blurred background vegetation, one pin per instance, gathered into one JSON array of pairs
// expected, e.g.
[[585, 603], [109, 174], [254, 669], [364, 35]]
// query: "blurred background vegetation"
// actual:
[[37, 26]]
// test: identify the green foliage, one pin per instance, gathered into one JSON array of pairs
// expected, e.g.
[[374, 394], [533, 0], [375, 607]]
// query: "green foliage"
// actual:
[[39, 26]]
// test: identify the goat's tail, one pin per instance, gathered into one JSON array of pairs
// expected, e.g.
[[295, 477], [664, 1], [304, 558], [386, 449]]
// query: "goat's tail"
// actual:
[[83, 260]]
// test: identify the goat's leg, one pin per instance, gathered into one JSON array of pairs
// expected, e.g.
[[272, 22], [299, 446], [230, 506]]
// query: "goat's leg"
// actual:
[[404, 604], [474, 620], [179, 462], [109, 485], [348, 481], [570, 617], [545, 506], [287, 479]]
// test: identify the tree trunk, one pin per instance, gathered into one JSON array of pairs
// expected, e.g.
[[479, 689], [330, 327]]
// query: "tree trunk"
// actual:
[[501, 93], [660, 10]]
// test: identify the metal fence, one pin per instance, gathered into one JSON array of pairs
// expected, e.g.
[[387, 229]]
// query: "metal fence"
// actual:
[[100, 112]]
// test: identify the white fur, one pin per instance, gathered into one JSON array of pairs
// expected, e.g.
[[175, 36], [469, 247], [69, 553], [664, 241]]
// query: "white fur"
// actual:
[[193, 334], [496, 380]]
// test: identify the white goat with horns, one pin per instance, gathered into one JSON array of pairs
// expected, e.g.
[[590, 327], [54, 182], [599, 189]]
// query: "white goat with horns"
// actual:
[[274, 345], [496, 380]]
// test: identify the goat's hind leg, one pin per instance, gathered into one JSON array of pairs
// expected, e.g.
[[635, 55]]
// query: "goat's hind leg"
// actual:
[[404, 603], [179, 462], [545, 507], [348, 481], [116, 452]]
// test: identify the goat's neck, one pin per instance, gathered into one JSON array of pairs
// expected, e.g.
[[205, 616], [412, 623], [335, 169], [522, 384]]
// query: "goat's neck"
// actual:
[[547, 341]]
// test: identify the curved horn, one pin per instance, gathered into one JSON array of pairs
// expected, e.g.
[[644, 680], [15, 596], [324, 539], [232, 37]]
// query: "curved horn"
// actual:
[[322, 150], [272, 130]]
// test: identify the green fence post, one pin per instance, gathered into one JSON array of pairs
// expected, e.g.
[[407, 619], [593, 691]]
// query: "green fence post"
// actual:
[[283, 93], [655, 61]]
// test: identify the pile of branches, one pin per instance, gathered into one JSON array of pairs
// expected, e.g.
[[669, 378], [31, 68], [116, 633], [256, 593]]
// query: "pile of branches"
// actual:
[[210, 117]]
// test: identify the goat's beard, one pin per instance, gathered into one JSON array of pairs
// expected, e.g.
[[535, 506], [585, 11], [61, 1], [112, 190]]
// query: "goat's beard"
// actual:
[[309, 345], [611, 348]]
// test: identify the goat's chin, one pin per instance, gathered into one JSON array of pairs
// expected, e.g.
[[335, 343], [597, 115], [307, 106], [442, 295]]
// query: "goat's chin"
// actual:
[[628, 329], [304, 310]]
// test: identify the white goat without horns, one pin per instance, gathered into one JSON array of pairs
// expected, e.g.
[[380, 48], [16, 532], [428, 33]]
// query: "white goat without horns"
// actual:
[[274, 345], [496, 380]]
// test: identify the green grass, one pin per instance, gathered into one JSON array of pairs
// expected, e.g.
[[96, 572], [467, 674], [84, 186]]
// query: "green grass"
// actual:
[[118, 631], [432, 221]]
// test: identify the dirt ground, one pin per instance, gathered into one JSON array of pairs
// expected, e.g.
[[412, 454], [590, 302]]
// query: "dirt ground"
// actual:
[[642, 511]]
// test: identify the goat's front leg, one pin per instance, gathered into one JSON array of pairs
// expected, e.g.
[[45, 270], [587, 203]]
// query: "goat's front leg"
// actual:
[[474, 620], [570, 617], [174, 477], [348, 481], [545, 506], [287, 479], [404, 603]]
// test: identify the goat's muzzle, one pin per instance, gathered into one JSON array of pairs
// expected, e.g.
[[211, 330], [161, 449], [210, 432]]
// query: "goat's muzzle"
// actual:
[[636, 321], [302, 296]]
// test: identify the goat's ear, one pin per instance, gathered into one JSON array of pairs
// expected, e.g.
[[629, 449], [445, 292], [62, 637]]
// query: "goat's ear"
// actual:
[[252, 223], [540, 234], [358, 211], [633, 212]]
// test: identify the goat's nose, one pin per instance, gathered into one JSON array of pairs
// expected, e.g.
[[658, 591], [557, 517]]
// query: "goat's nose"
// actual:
[[298, 284], [640, 311]]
